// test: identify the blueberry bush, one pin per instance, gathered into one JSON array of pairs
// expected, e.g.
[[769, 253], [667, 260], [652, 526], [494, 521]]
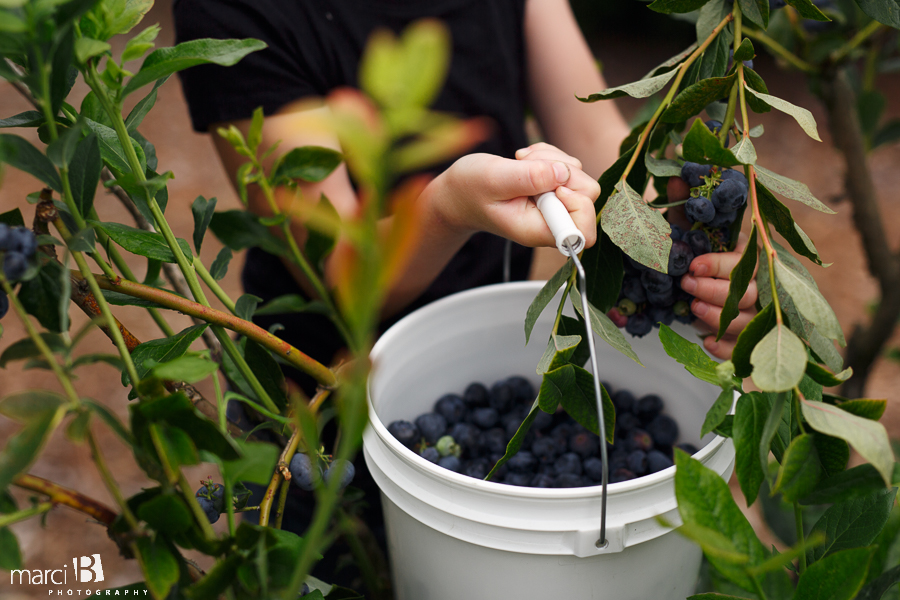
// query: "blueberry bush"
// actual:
[[69, 254]]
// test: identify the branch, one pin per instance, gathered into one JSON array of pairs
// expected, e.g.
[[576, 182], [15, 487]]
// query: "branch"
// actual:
[[66, 497]]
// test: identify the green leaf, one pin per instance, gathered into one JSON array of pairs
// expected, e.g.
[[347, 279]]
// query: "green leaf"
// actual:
[[875, 589], [808, 10], [84, 173], [111, 150], [846, 485], [19, 153], [120, 299], [834, 453], [665, 167], [266, 370], [245, 306], [178, 412], [810, 302], [604, 327], [702, 146], [676, 6], [203, 210], [745, 51], [13, 218], [715, 59], [61, 150], [800, 469], [23, 448], [606, 258], [29, 118], [789, 188], [544, 296], [559, 350], [239, 229], [163, 350], [643, 88], [111, 420], [704, 499], [867, 408], [307, 163], [775, 424], [694, 99], [869, 438], [142, 108], [165, 61], [189, 369], [10, 554], [713, 543], [86, 48], [752, 334], [576, 327], [291, 303], [740, 277], [160, 565], [166, 513], [757, 11], [219, 267], [689, 354], [803, 117], [256, 464], [139, 44], [744, 151], [26, 348], [836, 577], [749, 421], [217, 579], [573, 388], [143, 243], [825, 377], [641, 232], [779, 360], [31, 405], [41, 296], [717, 412]]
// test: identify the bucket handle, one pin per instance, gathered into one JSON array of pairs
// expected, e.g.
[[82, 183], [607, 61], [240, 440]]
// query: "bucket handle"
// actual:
[[570, 241]]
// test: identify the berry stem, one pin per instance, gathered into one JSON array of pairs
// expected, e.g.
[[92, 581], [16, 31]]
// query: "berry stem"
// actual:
[[66, 497], [110, 482], [739, 66], [562, 303], [798, 523], [767, 243], [282, 500], [861, 36], [22, 515], [670, 95], [780, 51], [265, 506]]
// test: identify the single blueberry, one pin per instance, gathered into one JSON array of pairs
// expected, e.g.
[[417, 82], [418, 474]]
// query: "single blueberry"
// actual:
[[476, 395], [676, 233], [700, 208], [451, 407], [638, 439], [633, 289], [623, 400], [217, 494], [568, 463], [593, 468], [405, 432], [468, 436], [639, 325], [522, 462], [637, 462], [541, 421], [661, 314], [22, 240], [664, 430], [620, 475], [729, 195], [347, 471], [14, 265], [618, 459], [716, 127], [451, 463], [664, 298], [523, 391], [627, 421], [657, 461], [303, 474], [729, 174], [432, 426], [692, 173], [430, 454], [543, 480], [655, 281], [477, 468], [680, 257], [485, 417], [519, 479], [569, 480], [584, 443], [495, 440], [304, 590], [207, 505], [502, 397], [698, 241], [648, 407], [545, 449], [723, 219]]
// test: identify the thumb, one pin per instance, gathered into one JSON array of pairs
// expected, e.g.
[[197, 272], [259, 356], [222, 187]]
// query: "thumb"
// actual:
[[516, 178]]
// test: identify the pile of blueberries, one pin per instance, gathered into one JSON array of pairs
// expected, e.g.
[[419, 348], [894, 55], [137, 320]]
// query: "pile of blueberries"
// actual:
[[468, 434], [649, 297], [17, 245]]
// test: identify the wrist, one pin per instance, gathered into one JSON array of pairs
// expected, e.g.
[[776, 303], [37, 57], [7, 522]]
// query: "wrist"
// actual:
[[441, 217]]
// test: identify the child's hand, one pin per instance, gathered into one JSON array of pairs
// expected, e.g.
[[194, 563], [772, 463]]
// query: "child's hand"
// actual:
[[707, 280]]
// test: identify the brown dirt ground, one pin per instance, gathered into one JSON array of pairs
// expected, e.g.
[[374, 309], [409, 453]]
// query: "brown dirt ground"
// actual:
[[67, 534]]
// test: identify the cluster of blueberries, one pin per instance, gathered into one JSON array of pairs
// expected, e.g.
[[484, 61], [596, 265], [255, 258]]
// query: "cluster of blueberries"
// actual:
[[468, 434], [212, 500], [17, 245], [649, 297], [307, 477]]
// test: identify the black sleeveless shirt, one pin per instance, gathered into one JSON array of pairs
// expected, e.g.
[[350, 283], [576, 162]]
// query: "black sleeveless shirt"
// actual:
[[314, 46]]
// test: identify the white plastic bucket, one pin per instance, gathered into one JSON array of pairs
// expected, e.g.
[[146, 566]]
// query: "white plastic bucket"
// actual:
[[452, 536]]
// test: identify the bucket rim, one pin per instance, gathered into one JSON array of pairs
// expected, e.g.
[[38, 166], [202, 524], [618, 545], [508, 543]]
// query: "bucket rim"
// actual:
[[375, 424]]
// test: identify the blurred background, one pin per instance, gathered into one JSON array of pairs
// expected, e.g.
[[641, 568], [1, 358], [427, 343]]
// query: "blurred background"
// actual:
[[628, 40]]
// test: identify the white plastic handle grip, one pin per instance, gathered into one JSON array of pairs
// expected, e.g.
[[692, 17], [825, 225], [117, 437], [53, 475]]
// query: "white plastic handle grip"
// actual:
[[560, 222]]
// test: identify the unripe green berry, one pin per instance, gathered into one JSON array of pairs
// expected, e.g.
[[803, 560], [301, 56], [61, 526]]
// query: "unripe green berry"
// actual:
[[447, 446], [627, 307]]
